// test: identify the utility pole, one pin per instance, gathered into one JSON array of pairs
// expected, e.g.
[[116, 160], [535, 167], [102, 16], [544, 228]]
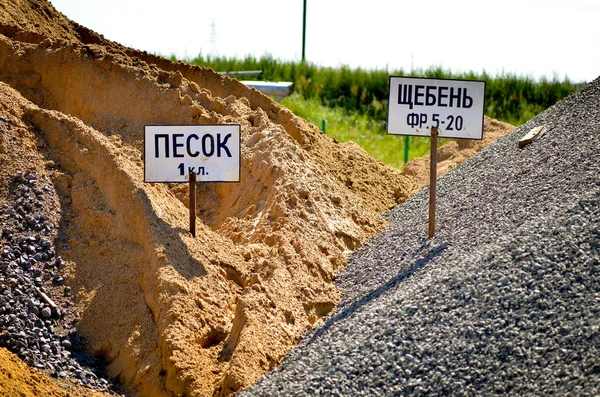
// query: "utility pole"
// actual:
[[304, 33]]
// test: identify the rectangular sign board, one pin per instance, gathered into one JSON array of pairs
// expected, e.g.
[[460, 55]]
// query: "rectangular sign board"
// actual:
[[454, 107], [212, 152]]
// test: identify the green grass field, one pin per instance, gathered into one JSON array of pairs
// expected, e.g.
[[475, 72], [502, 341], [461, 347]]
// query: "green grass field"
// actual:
[[368, 133]]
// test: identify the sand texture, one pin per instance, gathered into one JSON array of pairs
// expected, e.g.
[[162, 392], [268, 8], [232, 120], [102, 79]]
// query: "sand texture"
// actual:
[[175, 315]]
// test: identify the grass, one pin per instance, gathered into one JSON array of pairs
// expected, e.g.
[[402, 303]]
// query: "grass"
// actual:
[[352, 126]]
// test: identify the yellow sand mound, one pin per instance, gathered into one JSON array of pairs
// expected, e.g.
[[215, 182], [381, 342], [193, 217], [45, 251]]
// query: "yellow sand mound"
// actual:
[[17, 379], [176, 315], [173, 314]]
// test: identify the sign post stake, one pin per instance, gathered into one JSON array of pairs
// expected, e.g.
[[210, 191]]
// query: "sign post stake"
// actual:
[[432, 180], [192, 153], [193, 203]]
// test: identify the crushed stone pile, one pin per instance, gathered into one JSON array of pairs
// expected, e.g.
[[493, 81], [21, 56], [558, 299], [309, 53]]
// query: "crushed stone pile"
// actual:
[[504, 300], [455, 152], [27, 314], [172, 315]]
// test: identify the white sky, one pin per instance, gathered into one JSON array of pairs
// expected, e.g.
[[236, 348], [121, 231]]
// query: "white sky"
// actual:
[[527, 37]]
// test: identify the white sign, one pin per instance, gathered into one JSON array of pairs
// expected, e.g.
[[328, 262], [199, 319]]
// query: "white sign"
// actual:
[[212, 152], [454, 107]]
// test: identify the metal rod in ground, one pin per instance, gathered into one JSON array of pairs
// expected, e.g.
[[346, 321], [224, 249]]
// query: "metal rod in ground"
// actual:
[[193, 203], [432, 180], [406, 148], [304, 32]]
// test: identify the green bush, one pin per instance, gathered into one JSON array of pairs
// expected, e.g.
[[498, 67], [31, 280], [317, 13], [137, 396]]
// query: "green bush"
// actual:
[[511, 98]]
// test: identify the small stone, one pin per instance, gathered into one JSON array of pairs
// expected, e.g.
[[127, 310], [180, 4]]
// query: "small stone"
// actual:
[[46, 312], [56, 313], [50, 164]]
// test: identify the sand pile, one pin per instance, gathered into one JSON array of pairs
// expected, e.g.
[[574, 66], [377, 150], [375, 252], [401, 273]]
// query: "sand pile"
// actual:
[[17, 379], [172, 314]]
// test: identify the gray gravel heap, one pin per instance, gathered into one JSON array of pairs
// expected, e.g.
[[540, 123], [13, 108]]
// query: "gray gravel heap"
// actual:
[[504, 300], [28, 264]]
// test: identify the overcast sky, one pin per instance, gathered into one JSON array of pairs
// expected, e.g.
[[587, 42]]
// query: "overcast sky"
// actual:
[[535, 38]]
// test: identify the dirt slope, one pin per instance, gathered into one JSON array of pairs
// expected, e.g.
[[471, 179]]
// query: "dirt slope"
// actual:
[[172, 314], [17, 379], [195, 316]]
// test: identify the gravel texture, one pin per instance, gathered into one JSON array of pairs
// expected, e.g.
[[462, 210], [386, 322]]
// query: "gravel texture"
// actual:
[[504, 300], [36, 310]]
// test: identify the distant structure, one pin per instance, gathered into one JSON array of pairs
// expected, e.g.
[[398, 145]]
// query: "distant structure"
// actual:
[[213, 38]]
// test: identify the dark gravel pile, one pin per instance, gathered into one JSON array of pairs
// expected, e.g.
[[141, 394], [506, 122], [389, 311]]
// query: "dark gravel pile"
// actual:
[[30, 314], [504, 300]]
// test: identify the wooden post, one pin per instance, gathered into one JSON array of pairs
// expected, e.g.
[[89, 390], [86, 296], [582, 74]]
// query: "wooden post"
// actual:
[[432, 180], [193, 203]]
